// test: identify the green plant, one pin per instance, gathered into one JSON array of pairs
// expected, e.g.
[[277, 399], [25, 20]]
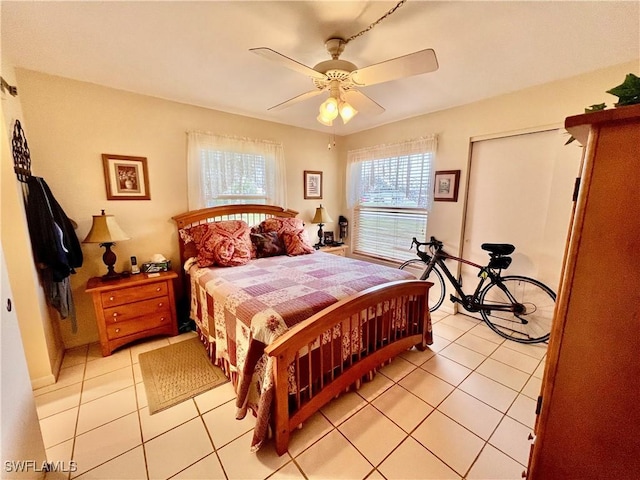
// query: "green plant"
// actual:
[[628, 93]]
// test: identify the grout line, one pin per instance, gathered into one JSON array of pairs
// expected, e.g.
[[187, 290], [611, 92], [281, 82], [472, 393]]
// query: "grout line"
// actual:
[[333, 427]]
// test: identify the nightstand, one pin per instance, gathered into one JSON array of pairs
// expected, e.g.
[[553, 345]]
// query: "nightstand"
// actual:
[[134, 307], [340, 250]]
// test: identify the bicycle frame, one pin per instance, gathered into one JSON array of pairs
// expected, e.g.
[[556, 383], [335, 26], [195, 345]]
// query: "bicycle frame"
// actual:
[[470, 302]]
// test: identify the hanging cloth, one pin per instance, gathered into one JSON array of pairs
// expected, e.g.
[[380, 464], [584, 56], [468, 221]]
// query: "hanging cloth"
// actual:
[[56, 247]]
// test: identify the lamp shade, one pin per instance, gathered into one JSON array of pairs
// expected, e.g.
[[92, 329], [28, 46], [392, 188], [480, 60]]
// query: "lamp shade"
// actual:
[[347, 112], [105, 230], [324, 121], [321, 216], [329, 108]]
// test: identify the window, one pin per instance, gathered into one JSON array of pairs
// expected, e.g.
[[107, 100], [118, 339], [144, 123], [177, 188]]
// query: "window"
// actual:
[[390, 189], [224, 170]]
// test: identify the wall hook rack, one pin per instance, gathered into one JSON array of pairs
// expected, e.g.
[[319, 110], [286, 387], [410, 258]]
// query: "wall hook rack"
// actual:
[[4, 86], [21, 154]]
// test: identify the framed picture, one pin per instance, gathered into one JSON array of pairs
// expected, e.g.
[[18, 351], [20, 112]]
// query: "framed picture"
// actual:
[[446, 186], [312, 185], [328, 238], [126, 178]]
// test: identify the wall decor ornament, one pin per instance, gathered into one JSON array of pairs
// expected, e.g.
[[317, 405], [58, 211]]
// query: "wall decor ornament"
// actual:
[[126, 178], [446, 186], [312, 185]]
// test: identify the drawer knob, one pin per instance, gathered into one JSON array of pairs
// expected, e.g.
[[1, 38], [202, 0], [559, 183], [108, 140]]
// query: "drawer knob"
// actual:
[[115, 314], [112, 298], [117, 330], [158, 289], [160, 304], [162, 319]]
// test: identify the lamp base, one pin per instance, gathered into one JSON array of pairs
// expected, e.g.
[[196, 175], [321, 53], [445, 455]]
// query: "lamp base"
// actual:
[[110, 276], [109, 259], [320, 236]]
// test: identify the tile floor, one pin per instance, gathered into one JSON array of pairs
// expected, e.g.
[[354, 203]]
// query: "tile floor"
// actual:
[[462, 409]]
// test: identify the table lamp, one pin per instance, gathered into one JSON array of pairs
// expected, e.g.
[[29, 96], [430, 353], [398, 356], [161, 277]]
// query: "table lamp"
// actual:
[[106, 232], [321, 218]]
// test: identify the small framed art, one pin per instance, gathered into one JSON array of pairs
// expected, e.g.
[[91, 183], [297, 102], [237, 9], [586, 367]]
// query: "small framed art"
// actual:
[[126, 178], [328, 238], [312, 185], [446, 186]]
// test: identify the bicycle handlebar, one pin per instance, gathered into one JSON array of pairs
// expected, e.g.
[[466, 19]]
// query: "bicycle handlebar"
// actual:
[[432, 244]]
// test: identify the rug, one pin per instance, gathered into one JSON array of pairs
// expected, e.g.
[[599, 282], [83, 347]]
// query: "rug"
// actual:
[[178, 372]]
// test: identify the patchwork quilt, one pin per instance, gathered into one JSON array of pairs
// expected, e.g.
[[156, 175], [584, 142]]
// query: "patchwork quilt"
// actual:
[[242, 309]]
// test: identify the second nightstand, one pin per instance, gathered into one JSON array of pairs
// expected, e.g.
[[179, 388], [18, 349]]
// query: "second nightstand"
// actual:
[[134, 307], [340, 250]]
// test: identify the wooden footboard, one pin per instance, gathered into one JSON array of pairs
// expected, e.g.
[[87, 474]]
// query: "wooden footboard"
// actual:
[[370, 327]]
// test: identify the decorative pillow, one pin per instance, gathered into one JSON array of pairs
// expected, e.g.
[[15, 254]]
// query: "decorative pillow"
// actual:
[[297, 242], [190, 247], [268, 244], [281, 224], [255, 229], [225, 243]]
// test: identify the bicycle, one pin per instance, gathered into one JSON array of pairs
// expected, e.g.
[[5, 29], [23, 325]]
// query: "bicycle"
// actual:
[[517, 308]]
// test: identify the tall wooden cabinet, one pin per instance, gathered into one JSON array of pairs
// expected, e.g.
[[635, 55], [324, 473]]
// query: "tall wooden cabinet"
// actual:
[[588, 425]]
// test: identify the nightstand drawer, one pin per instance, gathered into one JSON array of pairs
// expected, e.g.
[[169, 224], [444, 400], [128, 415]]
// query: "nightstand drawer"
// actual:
[[123, 313], [132, 294], [160, 319]]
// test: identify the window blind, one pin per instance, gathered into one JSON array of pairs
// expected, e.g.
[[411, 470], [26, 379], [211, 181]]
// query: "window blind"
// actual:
[[391, 191]]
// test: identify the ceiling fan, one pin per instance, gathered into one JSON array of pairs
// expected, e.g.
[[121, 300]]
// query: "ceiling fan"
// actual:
[[342, 79]]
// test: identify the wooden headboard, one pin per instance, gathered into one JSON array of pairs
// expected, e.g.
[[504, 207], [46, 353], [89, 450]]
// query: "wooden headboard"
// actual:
[[253, 214]]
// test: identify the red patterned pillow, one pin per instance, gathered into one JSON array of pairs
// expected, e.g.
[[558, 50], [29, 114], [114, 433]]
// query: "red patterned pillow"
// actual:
[[225, 243], [297, 242], [281, 224]]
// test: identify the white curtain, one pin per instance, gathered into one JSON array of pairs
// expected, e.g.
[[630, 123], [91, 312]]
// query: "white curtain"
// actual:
[[207, 152], [425, 146]]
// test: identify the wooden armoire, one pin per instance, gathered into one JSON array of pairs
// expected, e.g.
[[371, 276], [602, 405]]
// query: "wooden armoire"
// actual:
[[588, 425]]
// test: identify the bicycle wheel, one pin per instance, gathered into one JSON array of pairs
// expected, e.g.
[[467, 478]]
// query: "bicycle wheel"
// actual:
[[531, 326], [437, 291]]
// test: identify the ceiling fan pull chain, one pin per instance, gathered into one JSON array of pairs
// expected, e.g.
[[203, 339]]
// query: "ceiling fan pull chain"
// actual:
[[352, 37]]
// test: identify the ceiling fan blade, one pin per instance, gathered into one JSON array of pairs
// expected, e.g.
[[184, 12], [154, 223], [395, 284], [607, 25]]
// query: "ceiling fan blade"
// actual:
[[297, 99], [415, 63], [362, 103], [274, 56]]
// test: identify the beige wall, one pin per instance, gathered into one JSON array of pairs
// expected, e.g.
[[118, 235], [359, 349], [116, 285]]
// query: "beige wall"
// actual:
[[70, 124], [40, 336], [544, 105]]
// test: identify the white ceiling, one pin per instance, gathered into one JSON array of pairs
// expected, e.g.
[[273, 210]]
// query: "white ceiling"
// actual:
[[198, 52]]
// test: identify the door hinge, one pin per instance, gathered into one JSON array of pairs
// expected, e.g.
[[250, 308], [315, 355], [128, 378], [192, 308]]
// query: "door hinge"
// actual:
[[539, 405], [576, 189]]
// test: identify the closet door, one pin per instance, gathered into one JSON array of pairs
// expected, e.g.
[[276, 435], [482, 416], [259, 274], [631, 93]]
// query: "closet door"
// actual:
[[520, 192]]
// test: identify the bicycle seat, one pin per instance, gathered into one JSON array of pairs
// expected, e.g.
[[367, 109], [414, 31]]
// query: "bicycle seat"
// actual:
[[498, 248]]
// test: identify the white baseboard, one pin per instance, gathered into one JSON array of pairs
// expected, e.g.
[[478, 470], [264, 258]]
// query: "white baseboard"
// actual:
[[50, 379]]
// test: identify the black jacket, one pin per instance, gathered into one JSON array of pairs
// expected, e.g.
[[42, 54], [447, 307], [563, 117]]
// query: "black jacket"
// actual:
[[54, 241]]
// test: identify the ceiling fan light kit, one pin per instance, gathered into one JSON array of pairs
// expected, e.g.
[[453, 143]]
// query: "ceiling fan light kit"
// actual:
[[335, 105], [342, 78]]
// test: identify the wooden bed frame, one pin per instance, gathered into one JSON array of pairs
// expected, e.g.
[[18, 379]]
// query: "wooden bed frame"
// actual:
[[391, 318]]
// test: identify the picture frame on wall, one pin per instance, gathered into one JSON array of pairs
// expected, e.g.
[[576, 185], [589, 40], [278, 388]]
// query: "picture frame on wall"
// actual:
[[447, 183], [312, 185], [126, 177]]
